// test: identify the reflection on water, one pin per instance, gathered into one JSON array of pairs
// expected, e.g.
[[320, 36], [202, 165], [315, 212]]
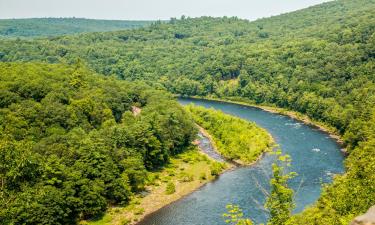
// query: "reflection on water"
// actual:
[[316, 158]]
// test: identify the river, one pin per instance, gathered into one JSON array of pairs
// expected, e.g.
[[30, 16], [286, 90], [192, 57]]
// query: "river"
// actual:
[[315, 157]]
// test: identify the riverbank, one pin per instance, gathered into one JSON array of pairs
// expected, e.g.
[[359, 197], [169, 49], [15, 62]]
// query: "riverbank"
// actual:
[[315, 156], [156, 198], [331, 131], [237, 140], [235, 163], [186, 172], [211, 149]]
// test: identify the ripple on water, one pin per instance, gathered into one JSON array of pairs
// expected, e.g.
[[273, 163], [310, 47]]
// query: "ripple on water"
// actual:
[[244, 186], [315, 150]]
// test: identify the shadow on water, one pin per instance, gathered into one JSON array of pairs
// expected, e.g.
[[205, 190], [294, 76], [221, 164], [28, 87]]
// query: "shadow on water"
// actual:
[[316, 158]]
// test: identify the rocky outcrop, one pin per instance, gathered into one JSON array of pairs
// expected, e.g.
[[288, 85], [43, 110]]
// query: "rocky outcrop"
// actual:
[[365, 219]]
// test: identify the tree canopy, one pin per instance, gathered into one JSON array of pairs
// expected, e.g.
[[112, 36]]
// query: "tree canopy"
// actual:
[[49, 27], [70, 144], [318, 61]]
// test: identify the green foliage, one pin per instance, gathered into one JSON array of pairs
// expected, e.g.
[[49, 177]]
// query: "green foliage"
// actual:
[[185, 177], [44, 27], [216, 168], [234, 216], [68, 149], [318, 61], [170, 188], [236, 139], [280, 201], [351, 194]]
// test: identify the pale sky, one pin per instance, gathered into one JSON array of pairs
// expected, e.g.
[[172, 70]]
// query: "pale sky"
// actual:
[[149, 9]]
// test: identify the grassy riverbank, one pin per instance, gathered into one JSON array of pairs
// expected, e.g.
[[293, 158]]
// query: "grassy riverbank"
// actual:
[[236, 139], [273, 109], [190, 170], [185, 172]]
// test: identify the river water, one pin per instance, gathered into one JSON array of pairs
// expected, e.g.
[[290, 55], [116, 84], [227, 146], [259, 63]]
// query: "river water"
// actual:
[[315, 157]]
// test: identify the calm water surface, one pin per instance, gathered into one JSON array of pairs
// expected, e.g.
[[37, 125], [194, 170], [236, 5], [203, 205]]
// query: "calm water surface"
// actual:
[[316, 158]]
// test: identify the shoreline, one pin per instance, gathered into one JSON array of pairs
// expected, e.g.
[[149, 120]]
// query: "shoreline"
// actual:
[[209, 137], [142, 206], [332, 132], [230, 164], [238, 163], [183, 195]]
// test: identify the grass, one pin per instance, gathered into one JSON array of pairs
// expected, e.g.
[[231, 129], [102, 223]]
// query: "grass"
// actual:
[[184, 171], [334, 133]]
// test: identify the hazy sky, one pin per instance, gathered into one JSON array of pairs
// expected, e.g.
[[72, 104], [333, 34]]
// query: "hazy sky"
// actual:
[[148, 9]]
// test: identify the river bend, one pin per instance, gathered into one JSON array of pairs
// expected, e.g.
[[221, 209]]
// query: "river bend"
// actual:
[[315, 157]]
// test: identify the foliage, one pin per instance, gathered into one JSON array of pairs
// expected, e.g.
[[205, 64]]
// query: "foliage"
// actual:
[[234, 216], [318, 61], [352, 193], [69, 144], [236, 139], [46, 27], [216, 168], [170, 188], [280, 201]]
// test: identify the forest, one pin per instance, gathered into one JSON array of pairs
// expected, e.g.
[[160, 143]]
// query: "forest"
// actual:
[[72, 144], [318, 61], [48, 27], [236, 139]]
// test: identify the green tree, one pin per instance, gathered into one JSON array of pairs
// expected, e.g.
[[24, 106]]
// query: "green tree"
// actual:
[[234, 216], [280, 201]]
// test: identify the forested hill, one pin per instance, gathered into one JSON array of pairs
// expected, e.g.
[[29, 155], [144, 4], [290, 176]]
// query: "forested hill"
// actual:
[[70, 145], [45, 27], [318, 61]]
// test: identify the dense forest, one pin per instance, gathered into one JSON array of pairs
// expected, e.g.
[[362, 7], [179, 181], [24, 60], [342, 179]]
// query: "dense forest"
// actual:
[[72, 144], [318, 61], [236, 139], [46, 27]]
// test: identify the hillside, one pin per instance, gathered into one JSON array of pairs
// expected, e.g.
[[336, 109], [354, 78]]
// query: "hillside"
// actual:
[[72, 145], [318, 61], [46, 27]]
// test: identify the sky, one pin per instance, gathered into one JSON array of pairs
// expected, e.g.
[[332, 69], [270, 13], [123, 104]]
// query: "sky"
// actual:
[[149, 9]]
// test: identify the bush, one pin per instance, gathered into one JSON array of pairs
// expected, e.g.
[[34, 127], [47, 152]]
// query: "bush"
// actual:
[[185, 177], [216, 168], [170, 189]]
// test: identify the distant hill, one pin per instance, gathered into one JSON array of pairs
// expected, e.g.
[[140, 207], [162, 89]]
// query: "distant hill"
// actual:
[[44, 27], [319, 61]]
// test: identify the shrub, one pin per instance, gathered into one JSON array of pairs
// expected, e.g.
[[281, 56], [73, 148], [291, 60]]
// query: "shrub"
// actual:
[[216, 169], [185, 177], [170, 189]]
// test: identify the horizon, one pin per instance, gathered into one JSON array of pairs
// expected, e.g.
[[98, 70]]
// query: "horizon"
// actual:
[[158, 10]]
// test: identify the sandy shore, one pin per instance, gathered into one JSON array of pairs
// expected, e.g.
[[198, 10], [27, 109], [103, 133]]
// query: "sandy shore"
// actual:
[[156, 197]]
